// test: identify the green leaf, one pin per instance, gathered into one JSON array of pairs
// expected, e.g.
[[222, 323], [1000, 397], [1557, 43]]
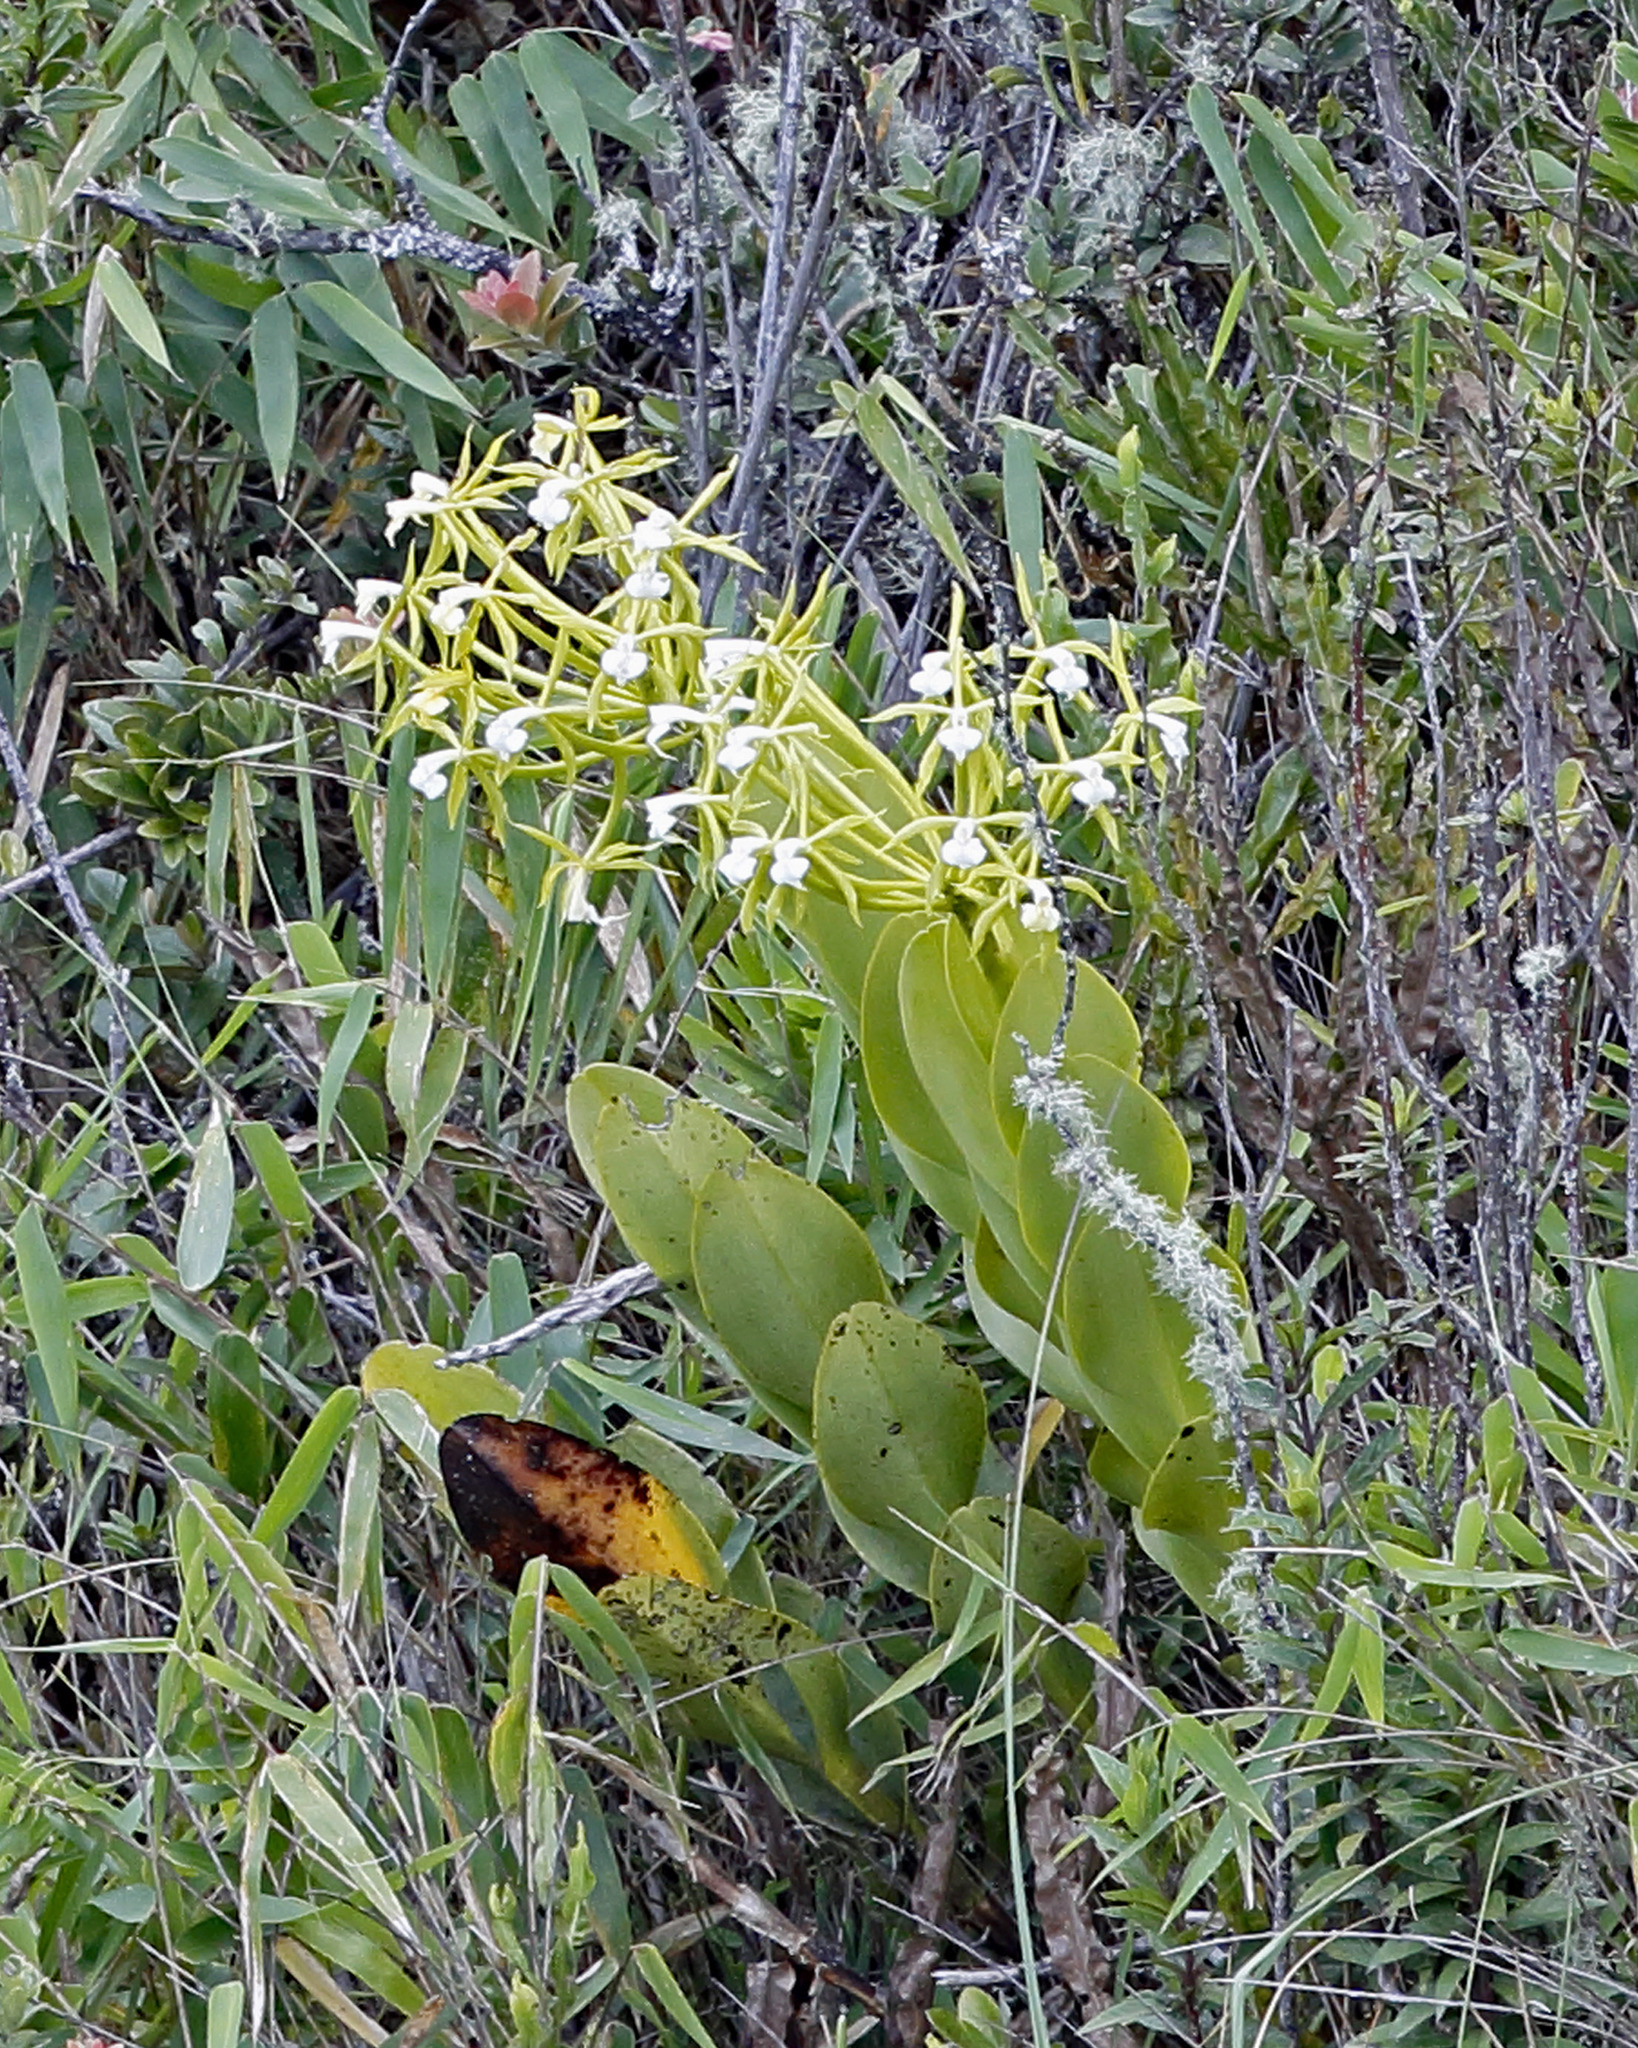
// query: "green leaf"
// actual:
[[319, 1815], [498, 121], [919, 1133], [444, 1392], [776, 1261], [1183, 1522], [1211, 1755], [207, 1209], [1207, 123], [125, 301], [50, 1324], [1552, 1649], [649, 1158], [309, 1461], [1228, 320], [276, 1171], [338, 1061], [914, 481], [406, 1055], [87, 499], [1051, 1561], [1021, 502], [276, 376], [43, 440], [383, 344], [550, 81], [210, 173], [899, 1429]]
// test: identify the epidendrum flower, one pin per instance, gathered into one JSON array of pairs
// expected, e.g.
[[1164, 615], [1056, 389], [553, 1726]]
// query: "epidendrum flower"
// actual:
[[1173, 735], [550, 505], [789, 866], [648, 585], [1066, 674], [427, 494], [653, 534], [506, 733], [1092, 785], [958, 736], [934, 675], [963, 848], [428, 778], [726, 652], [1039, 913], [448, 610], [739, 864], [625, 661], [663, 813], [364, 622], [665, 719], [741, 747]]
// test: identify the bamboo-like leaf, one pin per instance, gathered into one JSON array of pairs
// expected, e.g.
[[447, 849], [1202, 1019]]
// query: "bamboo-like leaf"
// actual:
[[207, 1209], [277, 381], [385, 346]]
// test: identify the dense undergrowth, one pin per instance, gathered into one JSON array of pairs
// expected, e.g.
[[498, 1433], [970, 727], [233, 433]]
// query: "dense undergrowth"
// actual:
[[463, 720]]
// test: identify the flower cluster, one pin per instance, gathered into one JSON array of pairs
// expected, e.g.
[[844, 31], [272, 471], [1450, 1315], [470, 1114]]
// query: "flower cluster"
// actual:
[[730, 739]]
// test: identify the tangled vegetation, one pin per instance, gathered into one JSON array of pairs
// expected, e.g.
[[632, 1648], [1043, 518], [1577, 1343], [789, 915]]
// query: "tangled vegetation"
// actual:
[[888, 759]]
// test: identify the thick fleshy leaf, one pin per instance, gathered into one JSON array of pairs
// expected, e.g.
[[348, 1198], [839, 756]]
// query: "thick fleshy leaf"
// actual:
[[776, 1261], [899, 1429]]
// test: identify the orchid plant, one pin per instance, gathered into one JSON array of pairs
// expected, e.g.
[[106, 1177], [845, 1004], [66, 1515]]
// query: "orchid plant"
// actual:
[[683, 730]]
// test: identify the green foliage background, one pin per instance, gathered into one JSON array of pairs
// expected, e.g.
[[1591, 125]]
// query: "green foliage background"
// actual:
[[1288, 347]]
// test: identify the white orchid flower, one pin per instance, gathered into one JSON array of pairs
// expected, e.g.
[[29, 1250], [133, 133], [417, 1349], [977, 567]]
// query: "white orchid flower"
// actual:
[[934, 676], [625, 661], [1173, 735], [663, 814], [789, 866], [372, 591], [739, 864], [726, 652], [653, 534], [550, 505], [1066, 674], [958, 736], [448, 610], [1092, 785], [647, 585], [1040, 913], [334, 634], [427, 778], [665, 719], [427, 494], [507, 733], [741, 747], [963, 848]]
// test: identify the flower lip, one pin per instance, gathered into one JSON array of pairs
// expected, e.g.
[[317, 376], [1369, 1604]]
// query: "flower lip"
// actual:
[[427, 777], [1092, 785], [447, 613], [662, 813], [1040, 913], [372, 591], [741, 747], [958, 736], [426, 496], [336, 630], [1172, 733], [653, 534], [506, 734], [739, 864], [934, 675], [625, 661], [788, 868], [727, 652], [963, 848], [647, 585], [1066, 674], [664, 719], [550, 506]]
